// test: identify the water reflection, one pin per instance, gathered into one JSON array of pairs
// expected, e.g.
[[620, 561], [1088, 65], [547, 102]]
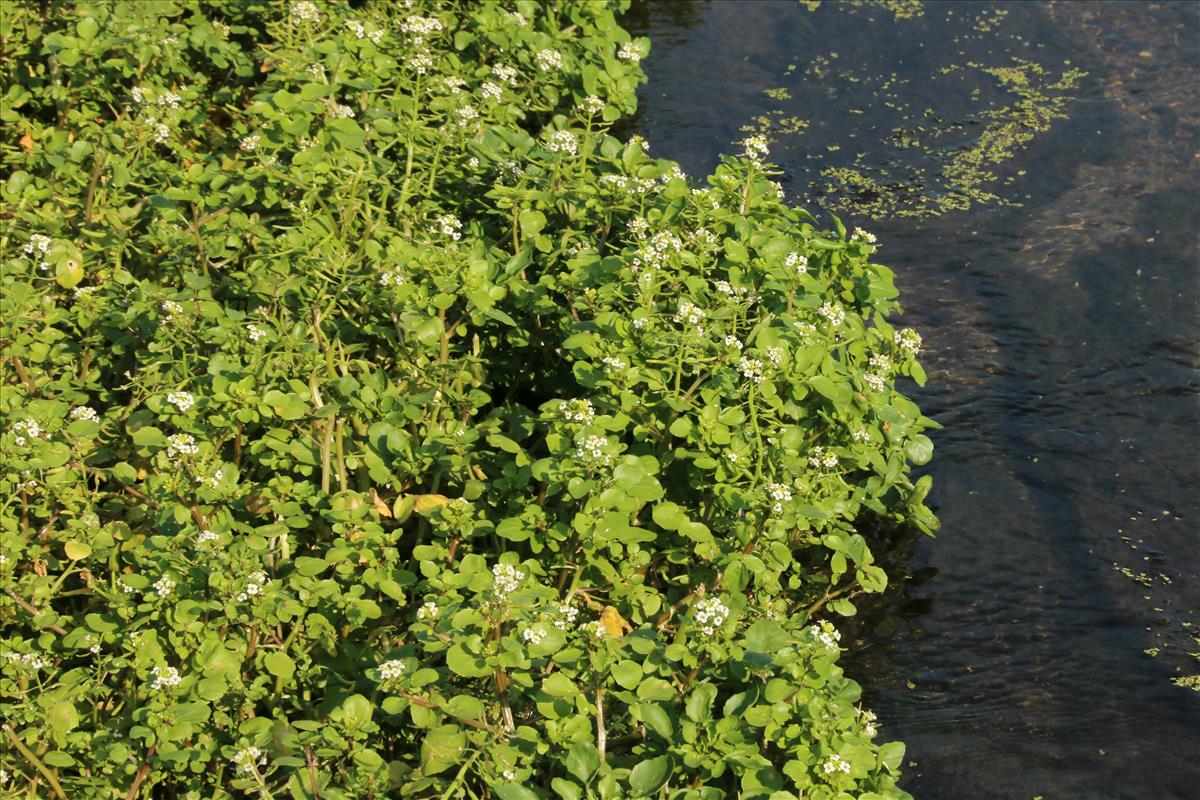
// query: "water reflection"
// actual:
[[1063, 360]]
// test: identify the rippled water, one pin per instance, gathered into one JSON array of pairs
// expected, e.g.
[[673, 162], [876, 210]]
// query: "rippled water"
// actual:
[[1061, 344]]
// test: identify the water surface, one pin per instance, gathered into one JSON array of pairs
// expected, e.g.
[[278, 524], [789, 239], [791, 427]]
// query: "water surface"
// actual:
[[1032, 647]]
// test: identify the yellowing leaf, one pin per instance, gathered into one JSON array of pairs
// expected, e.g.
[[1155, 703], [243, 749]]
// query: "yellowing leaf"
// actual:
[[614, 624], [428, 502], [26, 143], [383, 508], [77, 550]]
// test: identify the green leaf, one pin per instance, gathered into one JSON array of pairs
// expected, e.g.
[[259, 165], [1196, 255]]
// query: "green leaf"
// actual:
[[582, 761], [63, 718], [513, 791], [279, 664], [649, 776], [657, 720], [309, 566], [442, 748], [627, 674], [840, 395], [919, 449], [765, 636], [700, 702], [462, 662], [76, 550]]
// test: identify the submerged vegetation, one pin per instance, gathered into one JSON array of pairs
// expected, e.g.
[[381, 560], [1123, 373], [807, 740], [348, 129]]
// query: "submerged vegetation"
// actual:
[[376, 424]]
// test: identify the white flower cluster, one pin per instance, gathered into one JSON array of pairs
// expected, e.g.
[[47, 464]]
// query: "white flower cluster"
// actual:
[[775, 356], [726, 288], [691, 314], [613, 364], [834, 313], [868, 720], [303, 11], [171, 308], [427, 612], [655, 251], [860, 435], [250, 143], [505, 74], [164, 677], [578, 410], [756, 147], [591, 448], [751, 368], [907, 340], [32, 661], [420, 27], [254, 585], [881, 362], [836, 763], [826, 635], [419, 62], [734, 342], [797, 262], [38, 243], [563, 142], [533, 634], [391, 278], [862, 236], [491, 91], [806, 330], [779, 495], [164, 586], [590, 106], [25, 430], [206, 536], [181, 444], [876, 381], [181, 400], [505, 579], [254, 332], [628, 183], [221, 28], [629, 52], [339, 111], [820, 457], [548, 60], [710, 615], [567, 614], [247, 759], [391, 670], [449, 225]]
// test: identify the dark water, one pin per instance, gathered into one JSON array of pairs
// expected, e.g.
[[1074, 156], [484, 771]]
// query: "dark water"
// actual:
[[1061, 344]]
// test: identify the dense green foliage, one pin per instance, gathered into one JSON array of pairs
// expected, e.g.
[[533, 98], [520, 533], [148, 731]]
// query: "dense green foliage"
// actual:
[[377, 425]]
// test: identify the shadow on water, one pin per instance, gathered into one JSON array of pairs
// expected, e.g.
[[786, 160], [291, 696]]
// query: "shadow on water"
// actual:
[[1032, 648]]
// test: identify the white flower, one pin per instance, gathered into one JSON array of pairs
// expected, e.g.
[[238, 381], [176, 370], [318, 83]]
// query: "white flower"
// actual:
[[164, 586], [139, 94], [567, 615], [820, 457], [779, 495], [25, 430], [591, 448], [428, 612], [775, 355], [508, 775], [419, 62], [751, 368], [806, 330], [247, 759], [84, 413], [876, 381], [169, 99], [826, 635], [861, 235], [162, 132], [206, 536], [691, 314], [505, 579], [254, 332], [835, 763], [907, 340], [579, 410], [421, 26], [254, 586], [629, 52], [860, 435], [881, 362], [548, 60], [796, 261], [613, 363], [304, 11], [171, 308], [181, 400], [868, 720], [339, 111], [356, 27], [756, 147], [181, 444], [473, 162], [250, 143], [710, 614], [449, 225], [590, 106], [391, 278], [639, 322], [164, 677], [533, 634], [562, 142], [734, 342], [466, 115], [390, 670], [221, 28]]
